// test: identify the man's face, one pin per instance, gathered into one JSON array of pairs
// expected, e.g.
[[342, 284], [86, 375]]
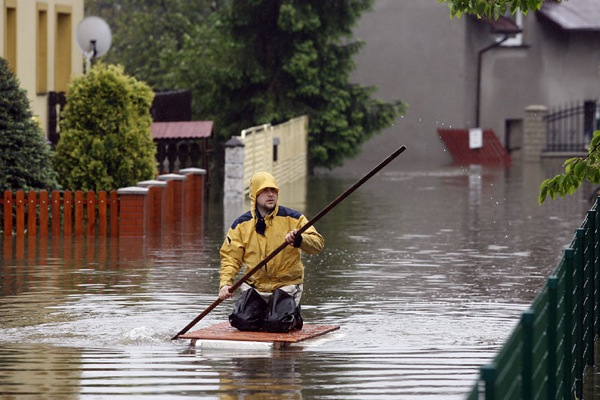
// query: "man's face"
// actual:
[[266, 200]]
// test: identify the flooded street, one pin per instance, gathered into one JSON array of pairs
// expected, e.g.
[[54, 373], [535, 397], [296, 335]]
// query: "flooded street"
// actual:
[[425, 270]]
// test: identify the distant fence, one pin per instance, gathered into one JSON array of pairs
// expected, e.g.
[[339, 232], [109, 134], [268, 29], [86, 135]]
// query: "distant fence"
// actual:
[[132, 211], [551, 352], [569, 128], [281, 150]]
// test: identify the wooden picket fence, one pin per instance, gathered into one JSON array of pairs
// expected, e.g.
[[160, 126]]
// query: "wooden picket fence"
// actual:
[[58, 213], [170, 201]]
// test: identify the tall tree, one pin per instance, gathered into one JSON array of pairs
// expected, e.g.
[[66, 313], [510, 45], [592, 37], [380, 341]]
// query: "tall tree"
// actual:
[[25, 157], [149, 34], [265, 61]]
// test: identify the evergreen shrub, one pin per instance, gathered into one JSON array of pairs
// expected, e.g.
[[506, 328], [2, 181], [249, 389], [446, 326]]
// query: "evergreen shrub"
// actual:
[[105, 139]]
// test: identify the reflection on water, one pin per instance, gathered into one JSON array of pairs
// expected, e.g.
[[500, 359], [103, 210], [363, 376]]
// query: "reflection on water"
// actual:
[[426, 271]]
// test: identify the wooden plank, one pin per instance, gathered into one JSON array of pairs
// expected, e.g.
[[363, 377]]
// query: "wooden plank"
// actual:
[[91, 213], [8, 213], [114, 214], [224, 331], [102, 207], [55, 206], [31, 214], [67, 213], [20, 211], [43, 213], [79, 213]]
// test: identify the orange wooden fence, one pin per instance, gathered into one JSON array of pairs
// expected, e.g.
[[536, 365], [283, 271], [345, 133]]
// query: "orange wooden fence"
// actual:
[[132, 211], [68, 213]]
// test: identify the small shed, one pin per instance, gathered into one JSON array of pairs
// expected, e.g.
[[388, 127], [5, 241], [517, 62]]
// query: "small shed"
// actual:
[[182, 144]]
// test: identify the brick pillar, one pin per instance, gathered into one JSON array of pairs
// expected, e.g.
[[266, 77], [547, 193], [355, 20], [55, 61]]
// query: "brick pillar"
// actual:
[[133, 203], [173, 205], [156, 194], [193, 191], [534, 133]]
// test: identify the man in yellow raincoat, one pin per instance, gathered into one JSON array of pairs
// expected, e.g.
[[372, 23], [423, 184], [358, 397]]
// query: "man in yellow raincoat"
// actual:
[[270, 299]]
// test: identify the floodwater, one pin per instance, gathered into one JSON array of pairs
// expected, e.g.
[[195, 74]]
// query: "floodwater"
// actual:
[[425, 270]]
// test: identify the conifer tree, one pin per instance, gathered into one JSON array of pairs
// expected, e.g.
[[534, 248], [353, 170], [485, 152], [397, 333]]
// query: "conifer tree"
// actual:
[[25, 156]]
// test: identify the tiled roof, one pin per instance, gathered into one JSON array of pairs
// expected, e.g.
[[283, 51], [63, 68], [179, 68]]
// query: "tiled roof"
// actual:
[[182, 130]]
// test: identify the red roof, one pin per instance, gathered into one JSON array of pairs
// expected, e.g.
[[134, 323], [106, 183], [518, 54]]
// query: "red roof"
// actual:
[[182, 130], [457, 142]]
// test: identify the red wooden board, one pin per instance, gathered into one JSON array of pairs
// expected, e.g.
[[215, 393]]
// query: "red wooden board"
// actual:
[[224, 331]]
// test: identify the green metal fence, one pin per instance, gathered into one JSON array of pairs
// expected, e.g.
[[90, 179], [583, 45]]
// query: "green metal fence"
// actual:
[[550, 353]]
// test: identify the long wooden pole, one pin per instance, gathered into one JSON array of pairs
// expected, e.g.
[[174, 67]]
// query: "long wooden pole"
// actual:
[[282, 246]]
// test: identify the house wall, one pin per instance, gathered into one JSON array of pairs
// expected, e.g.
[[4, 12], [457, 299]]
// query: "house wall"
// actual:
[[415, 52], [38, 67], [554, 68]]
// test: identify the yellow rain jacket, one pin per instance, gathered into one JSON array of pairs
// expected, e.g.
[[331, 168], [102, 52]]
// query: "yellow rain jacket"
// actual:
[[244, 246]]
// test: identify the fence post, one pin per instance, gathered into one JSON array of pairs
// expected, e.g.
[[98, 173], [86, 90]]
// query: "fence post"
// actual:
[[133, 204], [579, 328], [193, 191], [552, 285], [568, 333], [527, 321], [589, 303], [590, 251], [173, 196], [488, 375], [534, 133], [156, 194], [596, 257]]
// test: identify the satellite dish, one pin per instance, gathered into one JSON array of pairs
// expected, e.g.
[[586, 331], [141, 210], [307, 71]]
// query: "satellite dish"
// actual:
[[93, 37]]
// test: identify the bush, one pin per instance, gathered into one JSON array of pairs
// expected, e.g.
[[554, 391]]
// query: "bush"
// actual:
[[106, 141], [25, 156]]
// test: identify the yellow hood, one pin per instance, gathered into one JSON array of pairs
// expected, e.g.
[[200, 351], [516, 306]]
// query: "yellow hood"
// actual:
[[259, 182]]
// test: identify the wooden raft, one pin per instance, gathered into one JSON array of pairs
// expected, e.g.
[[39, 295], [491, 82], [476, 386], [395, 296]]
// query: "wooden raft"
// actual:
[[224, 331]]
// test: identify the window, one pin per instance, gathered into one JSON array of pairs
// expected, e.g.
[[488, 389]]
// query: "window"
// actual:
[[42, 49], [517, 39], [10, 33], [62, 63]]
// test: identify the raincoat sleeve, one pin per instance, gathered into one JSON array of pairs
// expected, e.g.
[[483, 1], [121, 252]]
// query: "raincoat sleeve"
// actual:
[[232, 256], [312, 241]]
